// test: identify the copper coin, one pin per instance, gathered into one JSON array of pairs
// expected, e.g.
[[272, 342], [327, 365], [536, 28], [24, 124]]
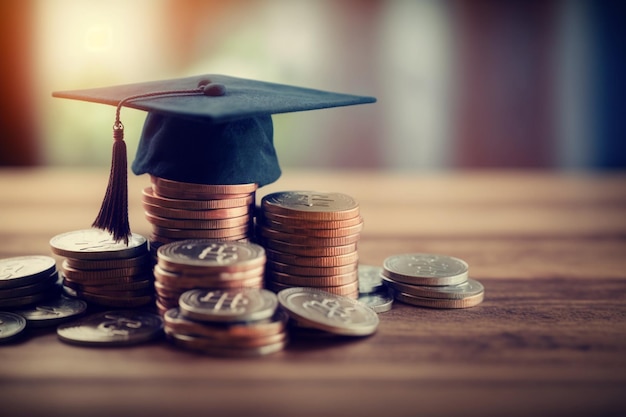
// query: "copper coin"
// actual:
[[199, 344], [107, 281], [26, 300], [108, 301], [201, 233], [182, 275], [313, 281], [311, 205], [44, 284], [229, 342], [315, 261], [305, 230], [24, 270], [205, 188], [283, 222], [468, 302], [233, 305], [311, 270], [303, 239], [97, 244], [198, 224], [310, 250], [11, 326], [89, 264], [89, 274], [170, 213], [350, 289], [184, 194], [151, 198]]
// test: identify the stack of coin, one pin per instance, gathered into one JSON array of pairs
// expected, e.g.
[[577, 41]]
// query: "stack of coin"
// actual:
[[319, 310], [311, 241], [372, 290], [26, 280], [235, 322], [99, 270], [205, 264], [181, 210], [431, 280]]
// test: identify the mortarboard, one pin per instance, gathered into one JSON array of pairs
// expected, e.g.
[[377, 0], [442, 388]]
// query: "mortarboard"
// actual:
[[207, 129]]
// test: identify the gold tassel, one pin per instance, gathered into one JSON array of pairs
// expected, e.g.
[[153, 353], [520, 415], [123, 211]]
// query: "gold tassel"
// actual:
[[113, 215]]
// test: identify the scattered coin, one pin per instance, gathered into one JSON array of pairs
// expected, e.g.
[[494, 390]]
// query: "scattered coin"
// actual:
[[11, 326], [25, 270], [329, 312], [53, 312], [112, 328], [370, 279], [380, 301], [96, 244]]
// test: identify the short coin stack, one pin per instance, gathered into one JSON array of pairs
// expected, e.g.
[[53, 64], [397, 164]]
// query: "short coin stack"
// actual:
[[318, 310], [181, 210], [430, 280], [99, 270], [236, 322], [26, 280], [205, 264], [311, 241]]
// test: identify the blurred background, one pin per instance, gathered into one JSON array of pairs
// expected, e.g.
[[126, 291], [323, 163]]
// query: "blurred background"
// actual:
[[460, 84]]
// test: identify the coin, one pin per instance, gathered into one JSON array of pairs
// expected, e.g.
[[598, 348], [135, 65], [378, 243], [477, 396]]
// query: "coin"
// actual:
[[201, 254], [26, 300], [425, 269], [95, 274], [467, 302], [312, 281], [150, 197], [311, 205], [380, 301], [204, 188], [331, 228], [96, 244], [466, 289], [306, 239], [311, 270], [198, 224], [142, 260], [112, 328], [325, 311], [182, 234], [11, 326], [228, 305], [312, 261], [313, 251], [44, 284], [53, 312], [200, 344], [171, 213], [24, 270], [370, 279]]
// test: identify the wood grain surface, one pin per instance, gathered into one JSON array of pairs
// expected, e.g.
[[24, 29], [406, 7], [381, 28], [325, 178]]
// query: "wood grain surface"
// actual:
[[549, 339]]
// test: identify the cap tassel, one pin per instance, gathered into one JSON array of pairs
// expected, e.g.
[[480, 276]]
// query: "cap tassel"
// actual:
[[113, 215]]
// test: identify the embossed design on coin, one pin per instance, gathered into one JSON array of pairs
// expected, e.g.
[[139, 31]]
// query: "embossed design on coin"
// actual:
[[96, 244], [120, 327], [210, 253], [11, 325], [23, 270], [426, 269], [325, 311], [53, 312], [244, 304]]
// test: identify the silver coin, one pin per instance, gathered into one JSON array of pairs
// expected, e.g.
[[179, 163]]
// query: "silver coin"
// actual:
[[425, 269], [233, 305], [97, 244], [11, 325], [24, 270], [466, 289], [210, 253], [53, 312], [325, 311], [380, 301], [114, 328], [369, 278]]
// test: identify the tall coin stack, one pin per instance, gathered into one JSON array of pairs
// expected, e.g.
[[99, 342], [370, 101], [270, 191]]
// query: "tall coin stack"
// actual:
[[431, 280], [99, 270], [181, 210], [205, 264], [235, 322], [311, 241]]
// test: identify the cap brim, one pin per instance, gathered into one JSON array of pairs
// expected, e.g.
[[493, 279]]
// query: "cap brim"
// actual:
[[243, 98]]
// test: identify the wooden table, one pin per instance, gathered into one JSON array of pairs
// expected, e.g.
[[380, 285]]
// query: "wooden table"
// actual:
[[549, 339]]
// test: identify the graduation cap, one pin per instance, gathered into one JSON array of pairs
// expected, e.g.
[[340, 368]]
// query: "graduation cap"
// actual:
[[207, 129]]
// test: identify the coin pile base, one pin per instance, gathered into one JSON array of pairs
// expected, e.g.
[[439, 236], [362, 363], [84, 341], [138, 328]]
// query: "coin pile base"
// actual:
[[11, 326], [311, 241], [101, 271], [315, 309], [205, 264], [180, 210], [27, 280], [236, 323], [430, 280]]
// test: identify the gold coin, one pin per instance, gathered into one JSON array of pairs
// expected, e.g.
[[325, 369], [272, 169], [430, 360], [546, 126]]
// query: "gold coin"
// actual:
[[315, 261], [198, 224], [311, 205], [150, 197]]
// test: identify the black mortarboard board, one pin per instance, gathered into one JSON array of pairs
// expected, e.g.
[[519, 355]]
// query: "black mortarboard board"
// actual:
[[208, 129]]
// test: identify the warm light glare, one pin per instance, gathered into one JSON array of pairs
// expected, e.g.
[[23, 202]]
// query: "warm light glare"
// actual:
[[98, 38]]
